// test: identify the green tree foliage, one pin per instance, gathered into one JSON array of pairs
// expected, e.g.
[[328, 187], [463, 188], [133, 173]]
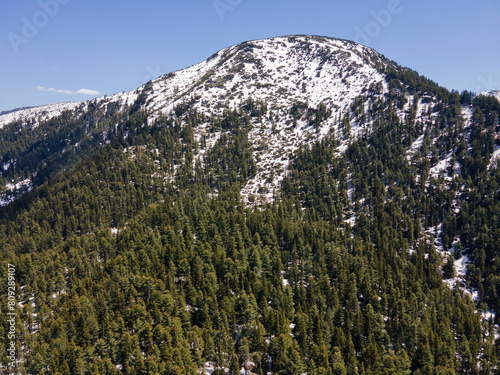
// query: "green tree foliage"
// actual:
[[190, 278]]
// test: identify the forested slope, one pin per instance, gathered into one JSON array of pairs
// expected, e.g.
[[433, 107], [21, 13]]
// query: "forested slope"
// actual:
[[136, 251]]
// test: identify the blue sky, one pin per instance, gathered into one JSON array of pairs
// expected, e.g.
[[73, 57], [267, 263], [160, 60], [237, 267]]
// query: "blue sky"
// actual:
[[71, 50]]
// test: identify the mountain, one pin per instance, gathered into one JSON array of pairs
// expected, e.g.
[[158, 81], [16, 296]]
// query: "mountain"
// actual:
[[300, 71], [279, 71], [299, 204]]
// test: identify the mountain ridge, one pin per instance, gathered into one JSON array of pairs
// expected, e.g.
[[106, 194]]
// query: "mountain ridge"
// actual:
[[302, 71], [29, 114], [162, 83]]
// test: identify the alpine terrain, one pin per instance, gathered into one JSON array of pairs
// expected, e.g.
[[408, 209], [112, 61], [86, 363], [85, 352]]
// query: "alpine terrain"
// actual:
[[293, 205]]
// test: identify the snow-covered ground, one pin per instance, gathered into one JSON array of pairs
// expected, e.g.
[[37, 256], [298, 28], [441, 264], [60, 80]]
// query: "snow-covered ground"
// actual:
[[434, 234], [494, 93], [495, 157], [441, 168], [416, 145], [13, 190], [278, 71], [34, 115]]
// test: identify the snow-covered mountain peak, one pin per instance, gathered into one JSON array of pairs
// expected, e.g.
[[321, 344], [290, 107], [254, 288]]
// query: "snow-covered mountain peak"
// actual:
[[282, 72], [279, 71]]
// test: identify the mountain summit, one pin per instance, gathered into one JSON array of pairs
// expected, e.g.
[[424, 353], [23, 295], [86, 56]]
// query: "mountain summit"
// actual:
[[280, 71], [287, 72], [306, 87]]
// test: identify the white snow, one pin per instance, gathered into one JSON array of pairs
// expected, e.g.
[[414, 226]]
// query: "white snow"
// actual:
[[494, 93], [209, 368], [441, 165], [460, 278], [460, 264], [416, 145], [56, 295], [488, 315], [18, 185], [278, 71], [467, 113], [14, 190], [35, 115], [495, 157]]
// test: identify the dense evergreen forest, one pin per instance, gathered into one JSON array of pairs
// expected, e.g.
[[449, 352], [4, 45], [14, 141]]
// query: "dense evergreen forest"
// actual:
[[134, 255]]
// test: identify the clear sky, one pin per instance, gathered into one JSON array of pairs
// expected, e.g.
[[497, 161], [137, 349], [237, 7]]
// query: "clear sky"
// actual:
[[71, 50]]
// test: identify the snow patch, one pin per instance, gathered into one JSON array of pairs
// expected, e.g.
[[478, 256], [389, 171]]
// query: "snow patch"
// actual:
[[495, 157], [494, 93], [35, 115], [15, 190]]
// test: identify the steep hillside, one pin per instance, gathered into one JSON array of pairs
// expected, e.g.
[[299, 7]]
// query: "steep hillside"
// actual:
[[294, 205], [32, 116], [297, 78]]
